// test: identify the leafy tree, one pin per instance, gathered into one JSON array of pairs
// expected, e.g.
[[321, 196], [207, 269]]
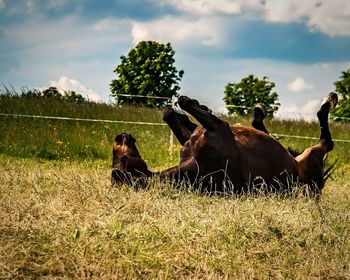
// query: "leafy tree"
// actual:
[[343, 88], [147, 70], [52, 92], [244, 95], [72, 96]]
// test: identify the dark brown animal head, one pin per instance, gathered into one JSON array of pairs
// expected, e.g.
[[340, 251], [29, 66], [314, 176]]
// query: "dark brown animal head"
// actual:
[[124, 145], [127, 163]]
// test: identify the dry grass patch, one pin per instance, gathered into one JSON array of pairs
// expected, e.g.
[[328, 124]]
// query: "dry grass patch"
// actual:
[[63, 220]]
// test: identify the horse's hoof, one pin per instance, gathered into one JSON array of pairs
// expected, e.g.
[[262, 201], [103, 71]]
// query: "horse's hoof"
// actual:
[[185, 102], [205, 108], [259, 111], [169, 114], [331, 99]]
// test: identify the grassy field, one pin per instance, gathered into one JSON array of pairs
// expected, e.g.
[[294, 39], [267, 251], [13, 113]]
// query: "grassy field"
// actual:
[[62, 219], [59, 217]]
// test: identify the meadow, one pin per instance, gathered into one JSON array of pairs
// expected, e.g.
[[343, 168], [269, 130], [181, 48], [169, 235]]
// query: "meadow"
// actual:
[[60, 218]]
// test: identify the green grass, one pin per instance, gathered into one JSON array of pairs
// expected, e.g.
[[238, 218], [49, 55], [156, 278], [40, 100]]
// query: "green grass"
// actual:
[[76, 140], [59, 217]]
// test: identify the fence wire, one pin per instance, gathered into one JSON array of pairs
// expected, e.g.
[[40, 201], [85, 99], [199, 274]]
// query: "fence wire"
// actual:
[[144, 123]]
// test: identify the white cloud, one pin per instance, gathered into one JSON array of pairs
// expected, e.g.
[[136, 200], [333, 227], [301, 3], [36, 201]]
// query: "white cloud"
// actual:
[[329, 17], [30, 6], [2, 4], [111, 24], [66, 84], [55, 4], [332, 17], [171, 29], [205, 7], [298, 85], [287, 10], [306, 112], [311, 107]]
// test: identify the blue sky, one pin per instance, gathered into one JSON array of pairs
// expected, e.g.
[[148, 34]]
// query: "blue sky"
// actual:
[[302, 46]]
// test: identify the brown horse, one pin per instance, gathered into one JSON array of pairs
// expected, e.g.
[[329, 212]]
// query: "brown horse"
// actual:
[[216, 157]]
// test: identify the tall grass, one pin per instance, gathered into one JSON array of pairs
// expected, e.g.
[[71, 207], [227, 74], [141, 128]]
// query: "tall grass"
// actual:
[[60, 219]]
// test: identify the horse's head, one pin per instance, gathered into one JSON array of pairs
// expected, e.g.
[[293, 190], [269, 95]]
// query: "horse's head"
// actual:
[[124, 145], [127, 162]]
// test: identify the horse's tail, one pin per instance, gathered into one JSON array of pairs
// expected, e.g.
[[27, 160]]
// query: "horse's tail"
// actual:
[[328, 168]]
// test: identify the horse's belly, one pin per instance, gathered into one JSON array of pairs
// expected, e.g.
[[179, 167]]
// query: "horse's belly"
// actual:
[[266, 159]]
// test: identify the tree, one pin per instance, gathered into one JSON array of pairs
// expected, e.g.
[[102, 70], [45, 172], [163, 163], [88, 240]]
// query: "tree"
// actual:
[[53, 92], [72, 96], [241, 97], [147, 70], [343, 88]]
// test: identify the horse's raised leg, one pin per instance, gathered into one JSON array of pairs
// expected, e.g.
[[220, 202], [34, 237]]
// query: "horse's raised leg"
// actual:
[[328, 103], [180, 124], [259, 114], [311, 161], [201, 114]]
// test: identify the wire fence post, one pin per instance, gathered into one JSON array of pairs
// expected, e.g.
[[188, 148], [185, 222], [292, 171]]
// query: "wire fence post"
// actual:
[[171, 144], [171, 140]]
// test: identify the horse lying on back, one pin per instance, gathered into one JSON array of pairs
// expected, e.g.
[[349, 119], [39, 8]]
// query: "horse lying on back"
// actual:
[[217, 157]]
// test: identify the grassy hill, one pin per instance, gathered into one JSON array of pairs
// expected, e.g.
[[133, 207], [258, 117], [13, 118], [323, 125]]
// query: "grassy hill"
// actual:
[[67, 139], [59, 217]]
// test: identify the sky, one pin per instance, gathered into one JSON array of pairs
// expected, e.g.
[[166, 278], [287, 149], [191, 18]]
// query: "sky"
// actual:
[[301, 46]]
